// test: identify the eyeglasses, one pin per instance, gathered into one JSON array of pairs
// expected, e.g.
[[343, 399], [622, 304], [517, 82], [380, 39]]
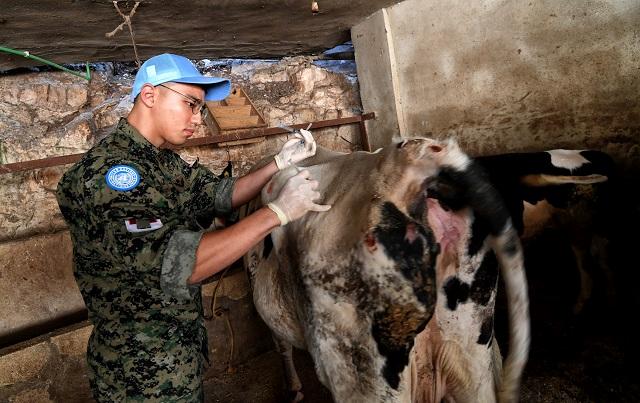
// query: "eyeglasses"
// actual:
[[197, 106]]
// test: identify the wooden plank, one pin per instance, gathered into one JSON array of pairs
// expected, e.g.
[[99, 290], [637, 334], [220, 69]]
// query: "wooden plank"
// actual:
[[238, 122], [270, 131], [227, 115], [364, 137], [230, 110], [211, 124], [41, 163], [242, 142], [253, 107], [236, 101]]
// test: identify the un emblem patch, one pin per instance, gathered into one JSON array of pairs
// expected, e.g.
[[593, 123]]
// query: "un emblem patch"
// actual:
[[122, 178]]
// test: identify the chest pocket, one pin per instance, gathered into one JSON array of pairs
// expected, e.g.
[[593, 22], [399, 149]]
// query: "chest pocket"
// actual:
[[140, 225]]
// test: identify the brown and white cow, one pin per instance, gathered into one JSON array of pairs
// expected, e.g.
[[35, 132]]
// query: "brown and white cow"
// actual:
[[356, 285]]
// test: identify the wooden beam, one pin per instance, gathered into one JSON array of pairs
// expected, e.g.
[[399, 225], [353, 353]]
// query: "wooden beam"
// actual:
[[200, 141], [36, 164], [271, 131], [364, 137]]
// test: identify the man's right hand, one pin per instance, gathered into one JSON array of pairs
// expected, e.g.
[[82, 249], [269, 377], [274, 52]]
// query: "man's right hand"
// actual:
[[295, 150], [296, 198]]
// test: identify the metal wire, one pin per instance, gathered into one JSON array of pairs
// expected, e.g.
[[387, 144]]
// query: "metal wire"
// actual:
[[28, 55]]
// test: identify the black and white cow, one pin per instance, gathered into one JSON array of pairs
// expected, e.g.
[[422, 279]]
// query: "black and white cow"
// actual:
[[564, 190], [456, 357], [356, 285]]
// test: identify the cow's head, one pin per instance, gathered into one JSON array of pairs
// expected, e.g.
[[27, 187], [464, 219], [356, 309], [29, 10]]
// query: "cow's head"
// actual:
[[408, 166]]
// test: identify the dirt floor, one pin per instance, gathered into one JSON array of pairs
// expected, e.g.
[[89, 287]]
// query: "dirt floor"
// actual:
[[261, 380], [583, 358], [592, 372], [591, 357]]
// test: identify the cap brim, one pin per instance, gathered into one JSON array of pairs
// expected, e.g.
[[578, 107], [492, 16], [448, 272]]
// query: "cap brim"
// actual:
[[216, 88]]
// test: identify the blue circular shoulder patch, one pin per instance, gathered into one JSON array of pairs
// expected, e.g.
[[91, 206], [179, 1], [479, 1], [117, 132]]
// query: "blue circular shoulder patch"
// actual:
[[122, 178]]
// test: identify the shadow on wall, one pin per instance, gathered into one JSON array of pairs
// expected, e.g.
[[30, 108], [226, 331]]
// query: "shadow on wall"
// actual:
[[40, 328]]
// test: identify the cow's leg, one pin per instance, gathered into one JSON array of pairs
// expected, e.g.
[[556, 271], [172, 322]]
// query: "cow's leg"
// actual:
[[294, 386], [586, 281], [338, 372], [496, 366], [599, 250]]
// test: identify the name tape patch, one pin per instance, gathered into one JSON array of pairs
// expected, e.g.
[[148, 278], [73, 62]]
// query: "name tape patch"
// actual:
[[122, 178], [142, 225]]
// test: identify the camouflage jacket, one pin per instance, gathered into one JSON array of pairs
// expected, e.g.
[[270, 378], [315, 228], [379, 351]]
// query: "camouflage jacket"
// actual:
[[135, 212]]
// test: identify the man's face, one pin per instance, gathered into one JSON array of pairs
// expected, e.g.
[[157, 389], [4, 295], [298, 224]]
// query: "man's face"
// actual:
[[173, 111]]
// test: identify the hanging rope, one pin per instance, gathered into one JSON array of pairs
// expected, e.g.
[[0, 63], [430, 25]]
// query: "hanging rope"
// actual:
[[127, 21], [218, 312]]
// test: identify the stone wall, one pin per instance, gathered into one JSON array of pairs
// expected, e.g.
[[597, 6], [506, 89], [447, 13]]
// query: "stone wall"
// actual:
[[53, 114]]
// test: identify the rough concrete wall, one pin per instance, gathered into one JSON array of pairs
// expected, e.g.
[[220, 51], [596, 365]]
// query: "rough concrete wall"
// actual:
[[377, 68], [49, 369], [512, 76], [37, 292], [51, 114]]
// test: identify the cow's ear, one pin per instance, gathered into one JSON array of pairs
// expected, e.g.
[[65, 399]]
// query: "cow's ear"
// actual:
[[409, 150], [434, 148], [414, 149], [421, 145]]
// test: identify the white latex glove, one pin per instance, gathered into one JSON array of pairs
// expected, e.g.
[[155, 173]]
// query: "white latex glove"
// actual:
[[296, 198], [295, 150]]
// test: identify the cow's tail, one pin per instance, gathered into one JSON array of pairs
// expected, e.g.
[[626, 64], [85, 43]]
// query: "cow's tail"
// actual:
[[509, 253], [462, 182]]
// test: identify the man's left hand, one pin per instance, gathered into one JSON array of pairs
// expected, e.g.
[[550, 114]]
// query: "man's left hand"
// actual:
[[297, 149]]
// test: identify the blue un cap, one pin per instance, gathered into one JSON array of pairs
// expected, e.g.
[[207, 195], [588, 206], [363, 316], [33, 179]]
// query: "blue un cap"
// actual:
[[178, 69]]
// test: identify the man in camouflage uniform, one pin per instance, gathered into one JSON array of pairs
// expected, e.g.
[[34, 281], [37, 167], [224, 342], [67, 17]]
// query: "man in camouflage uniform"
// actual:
[[137, 214]]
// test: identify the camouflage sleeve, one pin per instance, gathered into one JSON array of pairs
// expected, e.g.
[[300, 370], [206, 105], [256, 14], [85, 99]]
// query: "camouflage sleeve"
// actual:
[[67, 200], [177, 264], [223, 195], [208, 193]]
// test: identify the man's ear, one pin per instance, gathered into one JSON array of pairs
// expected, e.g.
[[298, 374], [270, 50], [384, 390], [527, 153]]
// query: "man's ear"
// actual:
[[148, 95]]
